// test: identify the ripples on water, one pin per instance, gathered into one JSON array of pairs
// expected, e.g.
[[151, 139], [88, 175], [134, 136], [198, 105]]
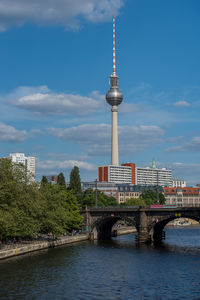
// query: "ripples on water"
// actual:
[[114, 269]]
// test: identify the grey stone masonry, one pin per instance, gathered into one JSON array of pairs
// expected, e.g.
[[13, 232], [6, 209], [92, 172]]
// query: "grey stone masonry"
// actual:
[[18, 250]]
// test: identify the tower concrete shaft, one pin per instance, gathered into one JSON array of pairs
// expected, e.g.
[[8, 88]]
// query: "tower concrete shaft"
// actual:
[[114, 152]]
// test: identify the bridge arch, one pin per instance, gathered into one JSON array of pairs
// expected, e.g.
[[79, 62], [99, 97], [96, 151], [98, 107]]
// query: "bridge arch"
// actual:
[[156, 227], [102, 228], [149, 222]]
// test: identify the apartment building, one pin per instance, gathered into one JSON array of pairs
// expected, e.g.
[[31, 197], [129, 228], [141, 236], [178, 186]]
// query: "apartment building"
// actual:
[[182, 197]]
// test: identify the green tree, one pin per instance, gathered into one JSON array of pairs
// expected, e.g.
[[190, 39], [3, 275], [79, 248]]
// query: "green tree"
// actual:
[[44, 180], [161, 198], [89, 196], [61, 179], [18, 205], [150, 197], [75, 181], [134, 202], [26, 210], [60, 210]]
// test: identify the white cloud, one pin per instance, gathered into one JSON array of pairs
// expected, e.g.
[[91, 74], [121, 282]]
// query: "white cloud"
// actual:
[[184, 171], [11, 135], [181, 104], [126, 108], [65, 165], [95, 138], [35, 132], [193, 145], [66, 13], [66, 156], [176, 139], [41, 100], [187, 171]]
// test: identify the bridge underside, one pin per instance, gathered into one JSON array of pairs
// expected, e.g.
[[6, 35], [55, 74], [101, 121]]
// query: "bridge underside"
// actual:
[[157, 232], [149, 223], [102, 229]]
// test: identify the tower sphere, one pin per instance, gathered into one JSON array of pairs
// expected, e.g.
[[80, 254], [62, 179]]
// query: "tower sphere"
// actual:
[[114, 96]]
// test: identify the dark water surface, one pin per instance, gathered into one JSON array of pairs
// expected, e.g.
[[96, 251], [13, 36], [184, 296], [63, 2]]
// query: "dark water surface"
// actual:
[[115, 269]]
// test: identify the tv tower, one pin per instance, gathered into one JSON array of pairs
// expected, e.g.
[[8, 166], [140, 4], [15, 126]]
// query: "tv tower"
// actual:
[[114, 97]]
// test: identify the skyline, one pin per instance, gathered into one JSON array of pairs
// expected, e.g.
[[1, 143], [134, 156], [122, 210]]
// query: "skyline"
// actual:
[[55, 68]]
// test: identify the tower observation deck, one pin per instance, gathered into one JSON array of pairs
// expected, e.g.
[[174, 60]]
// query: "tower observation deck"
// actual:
[[114, 97]]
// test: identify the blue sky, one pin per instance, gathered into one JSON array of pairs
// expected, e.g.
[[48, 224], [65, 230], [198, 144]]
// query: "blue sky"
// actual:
[[55, 62]]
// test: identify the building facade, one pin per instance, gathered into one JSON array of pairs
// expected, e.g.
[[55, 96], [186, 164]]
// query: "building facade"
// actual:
[[178, 183], [126, 191], [28, 162], [129, 173], [52, 179], [109, 189], [115, 174], [153, 176], [186, 196]]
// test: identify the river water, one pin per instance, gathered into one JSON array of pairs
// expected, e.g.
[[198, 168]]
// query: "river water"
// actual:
[[115, 269]]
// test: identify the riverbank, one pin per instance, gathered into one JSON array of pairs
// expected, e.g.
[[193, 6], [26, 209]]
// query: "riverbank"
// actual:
[[11, 250], [126, 230], [182, 222], [22, 248]]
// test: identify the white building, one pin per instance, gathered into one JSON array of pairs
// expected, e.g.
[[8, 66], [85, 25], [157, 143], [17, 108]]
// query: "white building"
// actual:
[[153, 176], [116, 174], [28, 162], [178, 183]]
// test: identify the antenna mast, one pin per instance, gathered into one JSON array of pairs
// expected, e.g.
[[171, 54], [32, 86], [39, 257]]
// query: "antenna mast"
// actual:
[[114, 69]]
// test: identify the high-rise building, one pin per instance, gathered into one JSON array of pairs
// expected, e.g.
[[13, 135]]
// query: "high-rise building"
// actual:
[[153, 176], [126, 173], [28, 162], [129, 173], [115, 174], [114, 97]]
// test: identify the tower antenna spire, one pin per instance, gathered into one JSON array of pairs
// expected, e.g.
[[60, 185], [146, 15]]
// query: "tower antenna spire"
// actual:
[[114, 67]]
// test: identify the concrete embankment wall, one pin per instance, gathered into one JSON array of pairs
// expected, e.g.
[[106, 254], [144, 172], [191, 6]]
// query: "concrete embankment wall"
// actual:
[[126, 231], [41, 245], [26, 248]]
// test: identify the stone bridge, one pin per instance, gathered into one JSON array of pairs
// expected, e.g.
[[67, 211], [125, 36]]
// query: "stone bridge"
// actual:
[[149, 222]]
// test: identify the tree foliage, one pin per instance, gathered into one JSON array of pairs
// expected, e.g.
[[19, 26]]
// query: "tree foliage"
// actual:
[[146, 198], [26, 209], [89, 196], [150, 197], [61, 179], [134, 202], [44, 180], [75, 181]]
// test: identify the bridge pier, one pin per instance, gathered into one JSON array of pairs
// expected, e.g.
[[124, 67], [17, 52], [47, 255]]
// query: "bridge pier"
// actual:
[[143, 235], [158, 234]]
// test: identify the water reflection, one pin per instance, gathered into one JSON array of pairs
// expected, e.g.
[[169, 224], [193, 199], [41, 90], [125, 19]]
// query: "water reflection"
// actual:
[[185, 239], [113, 269]]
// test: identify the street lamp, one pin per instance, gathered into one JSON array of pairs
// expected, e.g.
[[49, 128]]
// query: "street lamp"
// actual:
[[96, 199], [157, 192]]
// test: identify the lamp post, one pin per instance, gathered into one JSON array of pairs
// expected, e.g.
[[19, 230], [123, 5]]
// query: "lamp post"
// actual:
[[96, 198], [157, 192]]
